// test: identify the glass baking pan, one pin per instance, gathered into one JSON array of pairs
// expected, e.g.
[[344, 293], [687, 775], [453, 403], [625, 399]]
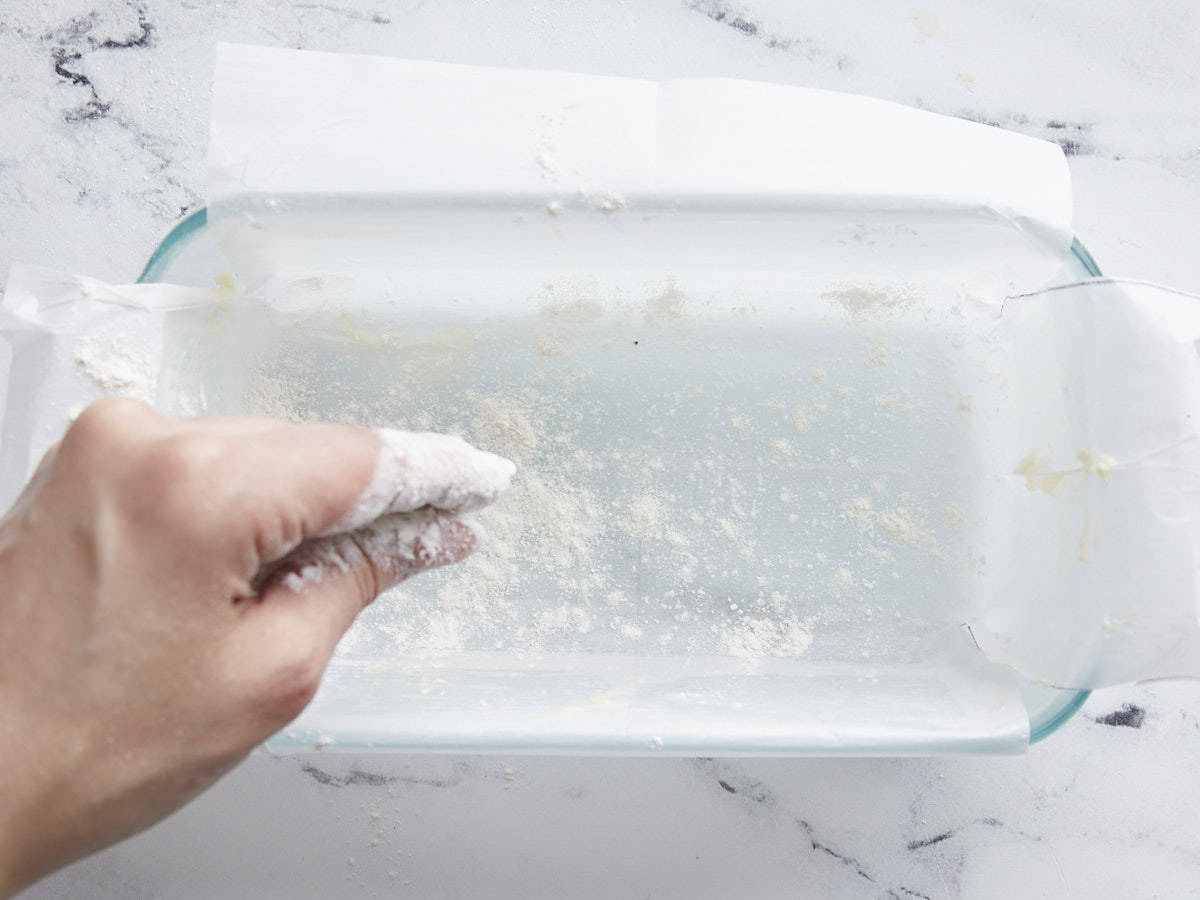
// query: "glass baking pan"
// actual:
[[737, 519]]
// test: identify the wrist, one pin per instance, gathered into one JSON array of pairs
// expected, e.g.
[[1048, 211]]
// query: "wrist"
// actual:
[[23, 807], [14, 854], [11, 879], [25, 856]]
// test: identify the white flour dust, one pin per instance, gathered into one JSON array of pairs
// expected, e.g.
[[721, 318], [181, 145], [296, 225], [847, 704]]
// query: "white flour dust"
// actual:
[[412, 513], [118, 367], [669, 498], [755, 637], [544, 528], [416, 470], [398, 544]]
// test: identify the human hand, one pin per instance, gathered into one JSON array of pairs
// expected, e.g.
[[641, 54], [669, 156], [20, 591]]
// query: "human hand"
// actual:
[[172, 592]]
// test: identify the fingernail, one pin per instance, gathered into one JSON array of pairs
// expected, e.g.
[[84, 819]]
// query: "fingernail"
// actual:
[[402, 545], [449, 541]]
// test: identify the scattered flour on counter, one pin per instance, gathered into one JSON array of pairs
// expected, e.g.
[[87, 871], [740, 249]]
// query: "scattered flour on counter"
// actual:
[[567, 617], [444, 629], [559, 519], [781, 448], [508, 424], [542, 528], [548, 165], [645, 517], [610, 203], [118, 368], [675, 539], [574, 311], [729, 528], [897, 524], [550, 344], [928, 26], [861, 302], [758, 637], [861, 513], [607, 201], [880, 355], [665, 306], [629, 631], [899, 400]]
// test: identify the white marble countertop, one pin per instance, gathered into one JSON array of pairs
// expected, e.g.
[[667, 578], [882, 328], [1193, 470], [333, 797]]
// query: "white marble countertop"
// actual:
[[105, 108]]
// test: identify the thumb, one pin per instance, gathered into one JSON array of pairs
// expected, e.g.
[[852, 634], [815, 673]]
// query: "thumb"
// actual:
[[327, 581]]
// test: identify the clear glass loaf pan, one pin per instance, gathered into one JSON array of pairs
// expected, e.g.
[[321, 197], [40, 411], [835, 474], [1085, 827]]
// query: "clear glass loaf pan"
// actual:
[[557, 675]]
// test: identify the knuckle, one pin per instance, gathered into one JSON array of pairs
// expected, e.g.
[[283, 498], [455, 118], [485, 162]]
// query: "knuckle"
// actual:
[[182, 461], [175, 483], [183, 470], [105, 425], [364, 566], [291, 687]]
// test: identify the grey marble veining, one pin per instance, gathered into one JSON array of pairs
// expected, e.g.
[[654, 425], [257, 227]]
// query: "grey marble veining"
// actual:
[[105, 111], [1086, 814]]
